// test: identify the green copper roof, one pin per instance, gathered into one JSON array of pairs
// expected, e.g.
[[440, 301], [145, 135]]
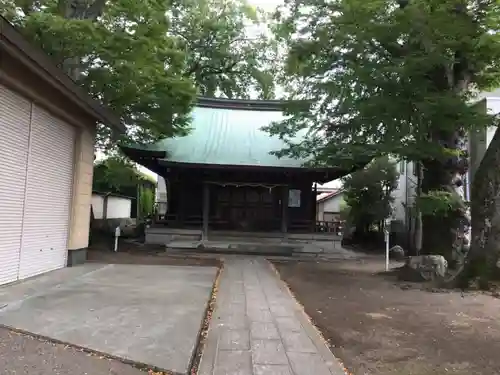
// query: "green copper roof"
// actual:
[[228, 136]]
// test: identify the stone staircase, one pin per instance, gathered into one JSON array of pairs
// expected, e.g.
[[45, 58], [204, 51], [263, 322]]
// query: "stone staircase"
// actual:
[[304, 245]]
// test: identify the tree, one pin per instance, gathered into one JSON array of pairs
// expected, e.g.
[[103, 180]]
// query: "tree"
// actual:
[[226, 47], [391, 77], [118, 175], [485, 203], [368, 194], [133, 55]]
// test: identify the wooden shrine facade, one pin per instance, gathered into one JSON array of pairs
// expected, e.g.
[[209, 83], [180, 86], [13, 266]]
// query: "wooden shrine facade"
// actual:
[[223, 175], [253, 200]]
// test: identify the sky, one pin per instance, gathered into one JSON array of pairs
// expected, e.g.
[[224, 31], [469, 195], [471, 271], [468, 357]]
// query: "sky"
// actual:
[[268, 6]]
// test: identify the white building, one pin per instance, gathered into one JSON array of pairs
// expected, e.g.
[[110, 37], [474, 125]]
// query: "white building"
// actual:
[[328, 206]]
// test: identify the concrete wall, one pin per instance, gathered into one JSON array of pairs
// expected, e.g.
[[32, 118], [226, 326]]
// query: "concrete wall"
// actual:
[[161, 195], [98, 206], [161, 189], [119, 208], [82, 189], [116, 207]]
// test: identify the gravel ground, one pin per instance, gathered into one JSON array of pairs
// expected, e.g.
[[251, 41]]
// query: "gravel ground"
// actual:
[[379, 326], [25, 355]]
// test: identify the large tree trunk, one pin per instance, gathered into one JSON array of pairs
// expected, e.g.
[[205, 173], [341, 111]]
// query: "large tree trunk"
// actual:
[[446, 235], [81, 10], [485, 201], [418, 235]]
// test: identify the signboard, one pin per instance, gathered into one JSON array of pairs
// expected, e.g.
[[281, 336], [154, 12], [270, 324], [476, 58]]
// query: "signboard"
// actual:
[[294, 198]]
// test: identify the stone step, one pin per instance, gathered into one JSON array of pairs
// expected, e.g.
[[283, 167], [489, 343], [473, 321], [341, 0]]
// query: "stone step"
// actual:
[[236, 247]]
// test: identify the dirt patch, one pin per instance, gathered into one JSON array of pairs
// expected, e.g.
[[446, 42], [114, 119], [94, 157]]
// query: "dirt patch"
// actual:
[[377, 326], [24, 354], [137, 253]]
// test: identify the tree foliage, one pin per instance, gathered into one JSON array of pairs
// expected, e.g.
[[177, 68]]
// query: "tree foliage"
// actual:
[[147, 60], [366, 70], [118, 175], [390, 77], [368, 193], [226, 47]]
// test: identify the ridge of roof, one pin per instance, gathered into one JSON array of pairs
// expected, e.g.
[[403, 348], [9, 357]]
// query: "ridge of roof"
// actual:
[[330, 195], [241, 104]]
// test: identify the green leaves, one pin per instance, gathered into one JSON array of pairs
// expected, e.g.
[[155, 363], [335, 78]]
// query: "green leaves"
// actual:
[[147, 60], [439, 203], [225, 47], [368, 191], [118, 175], [384, 80]]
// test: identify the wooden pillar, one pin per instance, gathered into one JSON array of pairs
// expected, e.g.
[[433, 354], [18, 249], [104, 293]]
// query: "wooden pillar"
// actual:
[[315, 207], [206, 209], [105, 206], [180, 206], [284, 209]]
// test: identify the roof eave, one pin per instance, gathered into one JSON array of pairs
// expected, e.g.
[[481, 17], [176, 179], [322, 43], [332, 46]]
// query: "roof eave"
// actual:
[[241, 104], [328, 197], [36, 60]]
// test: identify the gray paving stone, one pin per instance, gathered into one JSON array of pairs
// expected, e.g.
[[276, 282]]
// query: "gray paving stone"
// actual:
[[281, 311], [237, 298], [259, 315], [236, 309], [308, 364], [257, 304], [234, 339], [259, 329], [297, 342], [264, 331], [268, 352], [285, 301], [255, 297], [272, 370], [233, 362], [288, 324], [234, 321]]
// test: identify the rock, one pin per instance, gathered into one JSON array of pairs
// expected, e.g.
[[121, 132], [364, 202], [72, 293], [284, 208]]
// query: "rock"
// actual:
[[425, 268], [396, 252]]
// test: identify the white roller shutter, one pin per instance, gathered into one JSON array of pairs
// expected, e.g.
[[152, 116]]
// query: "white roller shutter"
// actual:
[[48, 195], [14, 139]]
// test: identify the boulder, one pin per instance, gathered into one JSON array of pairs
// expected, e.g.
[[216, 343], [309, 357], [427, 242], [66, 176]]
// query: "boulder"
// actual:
[[396, 253], [425, 268]]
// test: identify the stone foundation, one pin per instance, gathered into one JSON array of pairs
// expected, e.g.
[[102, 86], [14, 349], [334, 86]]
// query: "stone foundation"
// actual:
[[76, 257]]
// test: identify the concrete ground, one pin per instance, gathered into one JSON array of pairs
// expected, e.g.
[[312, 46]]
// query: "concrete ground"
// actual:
[[146, 314], [259, 329]]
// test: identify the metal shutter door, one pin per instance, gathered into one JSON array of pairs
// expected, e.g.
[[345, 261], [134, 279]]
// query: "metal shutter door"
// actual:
[[48, 195], [14, 139]]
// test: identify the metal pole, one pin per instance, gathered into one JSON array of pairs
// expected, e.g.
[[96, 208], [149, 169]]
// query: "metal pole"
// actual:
[[386, 250], [117, 234]]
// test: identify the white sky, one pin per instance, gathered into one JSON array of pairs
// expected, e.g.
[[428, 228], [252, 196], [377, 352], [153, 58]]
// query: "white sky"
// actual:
[[267, 5]]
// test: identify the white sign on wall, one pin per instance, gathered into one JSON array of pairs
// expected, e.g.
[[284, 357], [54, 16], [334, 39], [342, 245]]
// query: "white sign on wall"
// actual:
[[294, 198]]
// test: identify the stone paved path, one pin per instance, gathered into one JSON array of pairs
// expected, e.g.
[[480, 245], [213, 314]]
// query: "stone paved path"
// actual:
[[259, 329]]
